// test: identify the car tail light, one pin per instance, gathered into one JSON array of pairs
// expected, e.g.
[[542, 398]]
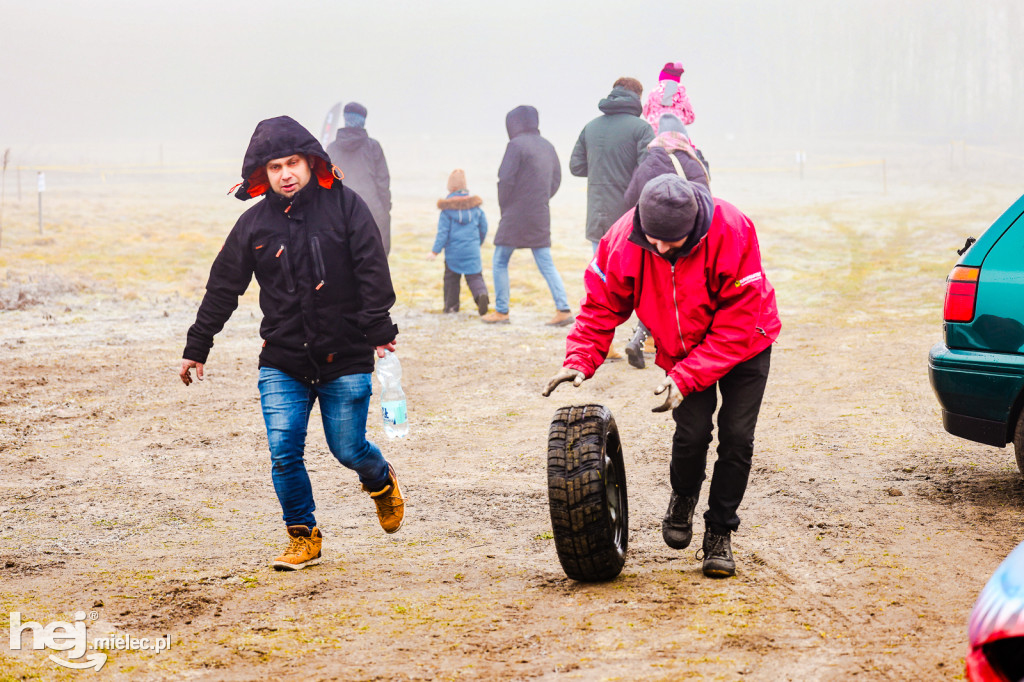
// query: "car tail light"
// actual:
[[961, 292]]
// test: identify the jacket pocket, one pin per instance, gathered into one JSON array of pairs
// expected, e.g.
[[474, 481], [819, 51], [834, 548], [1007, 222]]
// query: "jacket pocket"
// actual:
[[286, 267], [318, 263]]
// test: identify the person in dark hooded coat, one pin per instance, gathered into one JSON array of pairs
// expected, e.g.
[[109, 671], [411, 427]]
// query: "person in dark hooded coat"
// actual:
[[325, 294], [607, 152], [362, 162], [527, 179]]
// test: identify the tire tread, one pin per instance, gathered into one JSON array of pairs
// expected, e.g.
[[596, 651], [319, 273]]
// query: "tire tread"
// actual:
[[584, 536]]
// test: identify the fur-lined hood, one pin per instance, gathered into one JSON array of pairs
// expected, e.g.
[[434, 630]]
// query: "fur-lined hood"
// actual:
[[459, 202]]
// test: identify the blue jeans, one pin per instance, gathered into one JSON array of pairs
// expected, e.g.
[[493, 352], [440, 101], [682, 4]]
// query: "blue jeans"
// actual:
[[344, 403], [542, 257]]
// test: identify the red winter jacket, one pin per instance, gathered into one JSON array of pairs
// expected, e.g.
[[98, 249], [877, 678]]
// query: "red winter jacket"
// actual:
[[711, 310]]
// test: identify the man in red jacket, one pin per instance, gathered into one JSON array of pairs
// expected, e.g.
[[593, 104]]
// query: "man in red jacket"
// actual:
[[690, 267]]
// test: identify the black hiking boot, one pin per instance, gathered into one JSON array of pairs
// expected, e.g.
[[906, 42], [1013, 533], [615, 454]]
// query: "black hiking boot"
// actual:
[[635, 348], [717, 550], [677, 526]]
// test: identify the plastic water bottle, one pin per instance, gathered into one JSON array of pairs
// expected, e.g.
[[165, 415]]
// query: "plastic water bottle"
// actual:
[[392, 397]]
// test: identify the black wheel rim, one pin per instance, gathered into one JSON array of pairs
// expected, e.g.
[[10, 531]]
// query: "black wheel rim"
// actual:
[[614, 492]]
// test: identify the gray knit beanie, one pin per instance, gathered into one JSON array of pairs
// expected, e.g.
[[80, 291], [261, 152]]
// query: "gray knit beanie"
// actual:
[[668, 208], [670, 122]]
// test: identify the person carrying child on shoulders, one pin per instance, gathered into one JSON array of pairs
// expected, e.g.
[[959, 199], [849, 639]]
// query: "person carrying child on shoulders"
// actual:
[[461, 230]]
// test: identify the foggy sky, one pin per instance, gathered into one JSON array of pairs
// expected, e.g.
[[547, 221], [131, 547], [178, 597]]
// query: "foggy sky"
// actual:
[[85, 75]]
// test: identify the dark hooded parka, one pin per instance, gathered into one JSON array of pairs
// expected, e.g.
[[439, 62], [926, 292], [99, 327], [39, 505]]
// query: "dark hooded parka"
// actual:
[[527, 179], [361, 160], [607, 152], [325, 287]]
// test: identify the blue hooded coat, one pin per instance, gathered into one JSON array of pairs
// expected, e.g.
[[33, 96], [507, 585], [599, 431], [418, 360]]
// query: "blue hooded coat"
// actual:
[[460, 232]]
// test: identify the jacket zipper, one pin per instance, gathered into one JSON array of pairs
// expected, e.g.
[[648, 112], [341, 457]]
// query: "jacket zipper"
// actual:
[[675, 306], [286, 266], [318, 261]]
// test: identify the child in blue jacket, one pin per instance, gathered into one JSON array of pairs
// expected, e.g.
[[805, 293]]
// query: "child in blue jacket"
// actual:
[[460, 232]]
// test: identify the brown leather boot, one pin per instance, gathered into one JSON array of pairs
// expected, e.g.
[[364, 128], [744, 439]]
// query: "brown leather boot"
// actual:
[[495, 318], [561, 319], [390, 503], [303, 549]]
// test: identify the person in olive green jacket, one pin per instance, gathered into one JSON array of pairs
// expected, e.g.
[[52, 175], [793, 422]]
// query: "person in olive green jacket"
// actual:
[[608, 151]]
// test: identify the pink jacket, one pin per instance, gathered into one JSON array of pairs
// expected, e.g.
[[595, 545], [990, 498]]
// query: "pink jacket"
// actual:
[[680, 106], [711, 310]]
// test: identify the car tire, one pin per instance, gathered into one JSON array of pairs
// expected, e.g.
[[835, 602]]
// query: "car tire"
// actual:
[[587, 493], [1018, 442]]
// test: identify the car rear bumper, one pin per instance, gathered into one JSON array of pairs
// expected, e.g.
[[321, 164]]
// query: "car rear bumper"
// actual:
[[978, 391], [973, 428]]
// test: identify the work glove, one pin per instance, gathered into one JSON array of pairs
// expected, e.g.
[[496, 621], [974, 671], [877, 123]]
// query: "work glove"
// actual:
[[564, 374], [673, 396]]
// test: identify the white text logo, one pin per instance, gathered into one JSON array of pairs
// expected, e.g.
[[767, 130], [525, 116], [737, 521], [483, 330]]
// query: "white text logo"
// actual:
[[74, 639]]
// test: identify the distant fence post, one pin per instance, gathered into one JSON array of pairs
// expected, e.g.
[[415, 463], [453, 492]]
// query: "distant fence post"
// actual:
[[41, 184], [3, 190]]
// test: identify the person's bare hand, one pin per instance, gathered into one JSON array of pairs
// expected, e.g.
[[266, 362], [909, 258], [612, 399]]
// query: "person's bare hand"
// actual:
[[186, 374], [386, 346], [431, 256]]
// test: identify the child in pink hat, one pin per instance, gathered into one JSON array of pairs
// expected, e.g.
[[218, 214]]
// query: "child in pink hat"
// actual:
[[668, 97]]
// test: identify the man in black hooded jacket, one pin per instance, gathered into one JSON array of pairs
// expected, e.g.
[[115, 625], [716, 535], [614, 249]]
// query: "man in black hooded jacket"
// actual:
[[325, 293]]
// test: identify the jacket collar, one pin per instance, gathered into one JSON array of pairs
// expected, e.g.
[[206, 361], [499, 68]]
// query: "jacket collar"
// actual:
[[459, 201], [301, 199]]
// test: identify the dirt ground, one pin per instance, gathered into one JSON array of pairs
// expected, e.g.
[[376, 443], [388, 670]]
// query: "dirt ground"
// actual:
[[867, 531]]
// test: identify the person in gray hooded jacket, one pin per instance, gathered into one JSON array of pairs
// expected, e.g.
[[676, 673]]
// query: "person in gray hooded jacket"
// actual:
[[608, 151]]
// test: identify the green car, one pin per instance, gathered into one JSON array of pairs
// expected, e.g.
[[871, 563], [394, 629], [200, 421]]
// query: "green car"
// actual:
[[978, 371]]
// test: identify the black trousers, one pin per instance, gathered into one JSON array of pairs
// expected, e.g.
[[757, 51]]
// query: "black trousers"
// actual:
[[475, 282], [742, 391]]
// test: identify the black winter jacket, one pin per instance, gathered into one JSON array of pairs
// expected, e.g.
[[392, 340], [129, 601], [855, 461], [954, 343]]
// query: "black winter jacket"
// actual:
[[361, 160], [527, 179], [325, 287]]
